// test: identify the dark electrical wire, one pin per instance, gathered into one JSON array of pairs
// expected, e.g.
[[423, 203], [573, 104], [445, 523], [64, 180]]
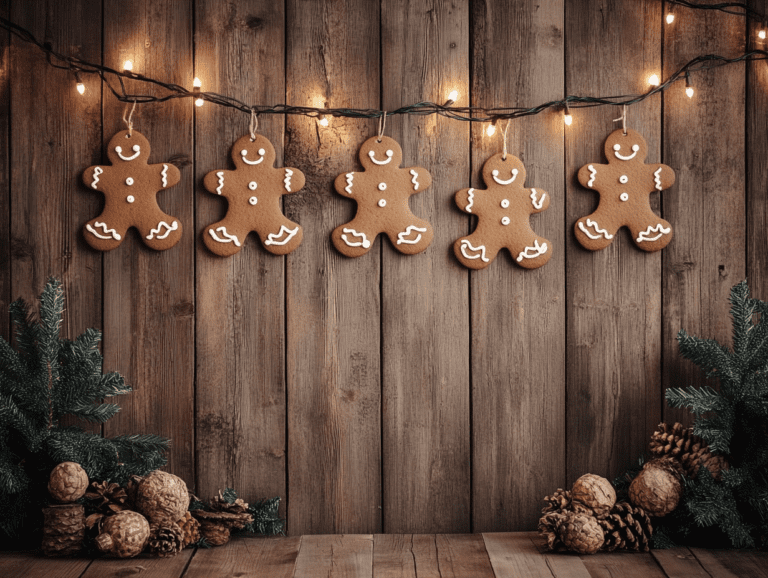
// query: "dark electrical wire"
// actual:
[[727, 7], [471, 114]]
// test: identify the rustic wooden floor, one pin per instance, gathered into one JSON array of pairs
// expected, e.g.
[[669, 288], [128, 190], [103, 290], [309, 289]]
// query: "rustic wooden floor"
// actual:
[[396, 556]]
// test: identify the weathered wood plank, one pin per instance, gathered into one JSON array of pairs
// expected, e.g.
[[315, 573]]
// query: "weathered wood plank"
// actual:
[[254, 557], [757, 167], [241, 302], [704, 143], [425, 321], [515, 555], [624, 564], [733, 563], [462, 556], [614, 295], [34, 565], [5, 175], [400, 556], [332, 302], [518, 315], [149, 302], [144, 565], [337, 556], [561, 564], [56, 134], [680, 563]]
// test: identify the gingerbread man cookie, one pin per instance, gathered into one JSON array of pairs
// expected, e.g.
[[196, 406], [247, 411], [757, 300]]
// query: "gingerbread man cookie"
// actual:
[[503, 211], [254, 190], [382, 192], [130, 188], [625, 185]]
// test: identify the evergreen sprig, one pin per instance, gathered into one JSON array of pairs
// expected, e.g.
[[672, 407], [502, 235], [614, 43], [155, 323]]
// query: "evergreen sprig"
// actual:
[[42, 380]]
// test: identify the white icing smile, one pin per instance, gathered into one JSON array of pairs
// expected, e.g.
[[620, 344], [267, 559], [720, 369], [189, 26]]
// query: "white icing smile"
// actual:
[[372, 155], [137, 152], [617, 152], [244, 154], [495, 174]]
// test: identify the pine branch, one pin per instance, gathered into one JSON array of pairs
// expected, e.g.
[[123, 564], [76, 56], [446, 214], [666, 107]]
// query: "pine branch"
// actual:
[[713, 359], [699, 400], [742, 311]]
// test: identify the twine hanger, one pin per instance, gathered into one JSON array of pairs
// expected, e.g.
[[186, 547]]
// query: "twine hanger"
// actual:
[[382, 124], [254, 123], [623, 119], [128, 121], [504, 136]]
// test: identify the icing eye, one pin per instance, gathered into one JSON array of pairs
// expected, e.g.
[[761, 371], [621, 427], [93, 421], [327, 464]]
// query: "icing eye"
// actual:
[[244, 153], [505, 221], [129, 181], [118, 149], [253, 200], [617, 147], [136, 148], [623, 179], [382, 186], [495, 173], [635, 148], [390, 153], [252, 185], [382, 203], [505, 203], [262, 152]]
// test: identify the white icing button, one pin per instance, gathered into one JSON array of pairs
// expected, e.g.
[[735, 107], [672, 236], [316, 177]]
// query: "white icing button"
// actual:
[[253, 200], [623, 179], [505, 203], [130, 198], [505, 221], [244, 153], [129, 181], [262, 152], [635, 148], [252, 185], [382, 186], [624, 197], [382, 203], [617, 147]]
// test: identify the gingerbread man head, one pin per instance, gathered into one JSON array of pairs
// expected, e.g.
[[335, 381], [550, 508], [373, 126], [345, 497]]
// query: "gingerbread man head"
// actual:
[[623, 148], [128, 147], [253, 153], [380, 152]]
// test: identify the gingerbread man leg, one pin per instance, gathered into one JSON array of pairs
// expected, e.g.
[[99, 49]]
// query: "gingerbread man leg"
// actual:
[[476, 251], [354, 239], [532, 253], [283, 237], [105, 232], [595, 231], [413, 236], [163, 234], [650, 232], [226, 237]]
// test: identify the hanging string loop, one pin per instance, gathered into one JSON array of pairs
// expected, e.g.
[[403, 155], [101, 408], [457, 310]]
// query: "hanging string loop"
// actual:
[[382, 124]]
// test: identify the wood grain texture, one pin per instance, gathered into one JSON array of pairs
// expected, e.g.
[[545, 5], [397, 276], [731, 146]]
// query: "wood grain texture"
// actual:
[[679, 563], [614, 295], [253, 557], [704, 142], [624, 564], [338, 556], [405, 556], [724, 564], [149, 301], [5, 175], [332, 302], [518, 315], [462, 556], [515, 555], [241, 302], [561, 565], [144, 566], [32, 565], [425, 309], [56, 134]]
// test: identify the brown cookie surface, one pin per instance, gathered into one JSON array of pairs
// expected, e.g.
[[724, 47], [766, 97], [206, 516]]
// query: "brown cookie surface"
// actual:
[[625, 185], [503, 211], [382, 191], [253, 191], [130, 186]]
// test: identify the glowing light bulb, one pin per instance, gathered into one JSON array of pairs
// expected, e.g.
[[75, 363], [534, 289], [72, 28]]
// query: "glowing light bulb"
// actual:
[[196, 83], [454, 95], [199, 102], [80, 88], [653, 80], [670, 18], [568, 119], [689, 92], [491, 130], [127, 65], [324, 121], [761, 35]]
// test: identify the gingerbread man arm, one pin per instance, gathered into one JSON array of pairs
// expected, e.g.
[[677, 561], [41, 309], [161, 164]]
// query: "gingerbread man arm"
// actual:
[[345, 184], [420, 179], [293, 180], [539, 200], [169, 174], [663, 177], [217, 182], [466, 200], [589, 175], [93, 178]]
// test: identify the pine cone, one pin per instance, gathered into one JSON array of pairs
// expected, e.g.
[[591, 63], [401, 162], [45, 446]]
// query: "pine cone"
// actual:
[[548, 525], [627, 528], [162, 497], [580, 533], [191, 529], [220, 504], [691, 450], [68, 482], [657, 488], [107, 498], [593, 495], [214, 534], [123, 535], [165, 540], [560, 501], [63, 529]]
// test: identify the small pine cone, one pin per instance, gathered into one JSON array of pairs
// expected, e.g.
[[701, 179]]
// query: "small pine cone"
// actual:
[[560, 501], [214, 534], [593, 495], [548, 525], [580, 533], [657, 488], [627, 528], [191, 529], [162, 497], [220, 504], [63, 529], [68, 482], [165, 540], [107, 498], [680, 442]]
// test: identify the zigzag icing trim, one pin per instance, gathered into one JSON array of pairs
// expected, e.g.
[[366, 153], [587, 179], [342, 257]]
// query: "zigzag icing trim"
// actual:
[[643, 236], [220, 175], [348, 188], [537, 249], [541, 200], [470, 199], [272, 237], [96, 172], [401, 237], [593, 224], [111, 232], [466, 244], [414, 181], [657, 178], [160, 226], [164, 174], [287, 179], [592, 173], [364, 243], [228, 238]]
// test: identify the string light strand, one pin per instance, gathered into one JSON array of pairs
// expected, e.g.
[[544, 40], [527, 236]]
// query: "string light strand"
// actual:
[[727, 7]]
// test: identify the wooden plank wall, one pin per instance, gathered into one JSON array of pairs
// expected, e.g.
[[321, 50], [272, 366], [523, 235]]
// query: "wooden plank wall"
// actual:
[[389, 393]]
